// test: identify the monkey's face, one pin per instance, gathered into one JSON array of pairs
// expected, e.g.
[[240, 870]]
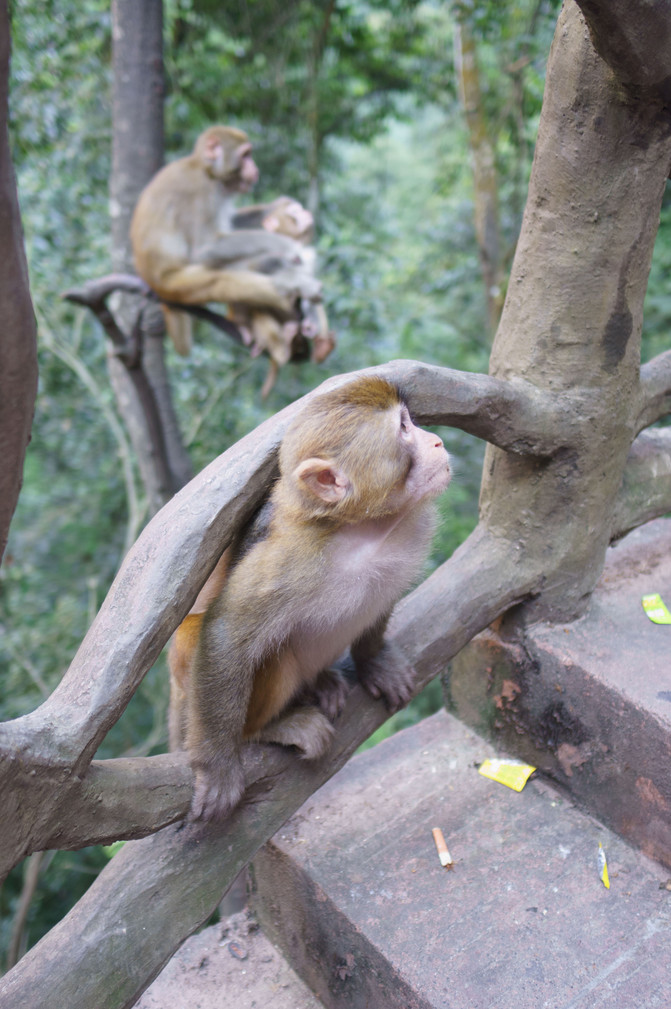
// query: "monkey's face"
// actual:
[[429, 472], [290, 218], [226, 154], [355, 455]]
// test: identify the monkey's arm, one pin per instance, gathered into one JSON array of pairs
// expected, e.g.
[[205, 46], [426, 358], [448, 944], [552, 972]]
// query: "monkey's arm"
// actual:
[[251, 217], [381, 667], [241, 248], [221, 686]]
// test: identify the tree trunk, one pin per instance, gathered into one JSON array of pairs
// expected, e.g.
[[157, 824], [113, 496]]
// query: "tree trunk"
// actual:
[[573, 314], [18, 341], [137, 154]]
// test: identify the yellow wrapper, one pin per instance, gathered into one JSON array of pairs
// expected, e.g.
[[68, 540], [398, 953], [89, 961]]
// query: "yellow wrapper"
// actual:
[[656, 609], [507, 772]]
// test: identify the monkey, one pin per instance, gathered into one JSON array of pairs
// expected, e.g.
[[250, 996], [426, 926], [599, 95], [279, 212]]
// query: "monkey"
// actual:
[[184, 244], [264, 331], [344, 534]]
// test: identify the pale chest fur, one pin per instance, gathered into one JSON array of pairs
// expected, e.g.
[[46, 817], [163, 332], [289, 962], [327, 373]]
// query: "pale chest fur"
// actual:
[[366, 569]]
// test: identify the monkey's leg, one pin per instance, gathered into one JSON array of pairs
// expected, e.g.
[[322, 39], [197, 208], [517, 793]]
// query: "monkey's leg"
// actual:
[[196, 285], [305, 728], [382, 668]]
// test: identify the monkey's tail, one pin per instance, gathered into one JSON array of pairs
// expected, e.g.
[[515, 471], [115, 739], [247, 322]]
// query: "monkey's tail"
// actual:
[[180, 330]]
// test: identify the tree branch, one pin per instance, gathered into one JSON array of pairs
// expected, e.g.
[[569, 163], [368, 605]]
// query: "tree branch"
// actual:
[[645, 493], [156, 891], [634, 38], [168, 565], [655, 391]]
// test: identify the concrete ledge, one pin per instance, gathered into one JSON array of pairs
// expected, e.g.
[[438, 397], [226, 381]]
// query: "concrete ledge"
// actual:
[[353, 893], [589, 702]]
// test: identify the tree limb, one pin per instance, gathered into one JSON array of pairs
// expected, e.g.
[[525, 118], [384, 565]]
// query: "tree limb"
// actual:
[[156, 891], [645, 493], [634, 38], [168, 565], [655, 391]]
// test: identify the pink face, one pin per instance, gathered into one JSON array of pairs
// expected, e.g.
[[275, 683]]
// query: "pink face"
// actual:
[[300, 215], [248, 174], [430, 471]]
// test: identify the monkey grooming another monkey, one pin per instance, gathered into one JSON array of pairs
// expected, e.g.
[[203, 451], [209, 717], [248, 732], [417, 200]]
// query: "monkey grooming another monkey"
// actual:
[[345, 533], [185, 247]]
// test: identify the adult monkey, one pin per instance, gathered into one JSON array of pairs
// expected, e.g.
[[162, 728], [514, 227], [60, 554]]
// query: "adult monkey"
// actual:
[[184, 244], [342, 537]]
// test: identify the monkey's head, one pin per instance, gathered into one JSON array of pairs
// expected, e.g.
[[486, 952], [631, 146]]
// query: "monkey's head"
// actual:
[[226, 154], [354, 454], [289, 217]]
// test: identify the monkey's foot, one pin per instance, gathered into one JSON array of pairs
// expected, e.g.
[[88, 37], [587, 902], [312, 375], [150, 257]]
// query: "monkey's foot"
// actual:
[[329, 693], [390, 676], [217, 790], [305, 728]]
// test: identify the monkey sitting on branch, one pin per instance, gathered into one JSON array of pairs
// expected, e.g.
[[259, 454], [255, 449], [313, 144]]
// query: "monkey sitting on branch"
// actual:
[[190, 251], [344, 534]]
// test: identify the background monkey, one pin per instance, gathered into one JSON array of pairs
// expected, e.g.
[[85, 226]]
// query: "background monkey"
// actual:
[[343, 536], [184, 244], [264, 331]]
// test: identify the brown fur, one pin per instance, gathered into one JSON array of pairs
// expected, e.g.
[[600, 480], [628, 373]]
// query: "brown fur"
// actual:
[[350, 522]]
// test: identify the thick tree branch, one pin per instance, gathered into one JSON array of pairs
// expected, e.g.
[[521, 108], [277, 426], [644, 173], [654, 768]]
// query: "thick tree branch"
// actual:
[[164, 571], [655, 391], [179, 875], [634, 38], [123, 798], [645, 493]]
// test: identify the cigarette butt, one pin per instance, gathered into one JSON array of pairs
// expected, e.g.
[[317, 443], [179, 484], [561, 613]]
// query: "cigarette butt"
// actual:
[[443, 853]]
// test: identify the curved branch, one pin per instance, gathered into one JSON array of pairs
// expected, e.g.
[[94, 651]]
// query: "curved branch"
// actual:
[[634, 38], [168, 565], [514, 415], [156, 891], [645, 493], [655, 391], [93, 295]]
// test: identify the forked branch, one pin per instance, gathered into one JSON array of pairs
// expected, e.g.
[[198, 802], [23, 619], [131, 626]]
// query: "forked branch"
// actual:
[[178, 876]]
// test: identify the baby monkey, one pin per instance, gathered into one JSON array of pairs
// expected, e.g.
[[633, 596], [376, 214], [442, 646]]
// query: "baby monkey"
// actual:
[[344, 534]]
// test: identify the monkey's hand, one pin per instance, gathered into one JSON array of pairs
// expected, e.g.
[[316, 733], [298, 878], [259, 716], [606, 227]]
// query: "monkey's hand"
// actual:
[[219, 786], [388, 675]]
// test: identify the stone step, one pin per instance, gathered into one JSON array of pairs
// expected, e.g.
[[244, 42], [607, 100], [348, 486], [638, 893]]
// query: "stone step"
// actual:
[[230, 965], [589, 702], [352, 891]]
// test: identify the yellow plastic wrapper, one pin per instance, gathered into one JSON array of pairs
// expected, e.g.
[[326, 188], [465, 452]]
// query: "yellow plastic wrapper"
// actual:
[[656, 609], [507, 772], [603, 867]]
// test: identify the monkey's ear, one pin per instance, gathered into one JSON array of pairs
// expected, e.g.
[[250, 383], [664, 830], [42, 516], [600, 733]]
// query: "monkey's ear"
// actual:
[[322, 479]]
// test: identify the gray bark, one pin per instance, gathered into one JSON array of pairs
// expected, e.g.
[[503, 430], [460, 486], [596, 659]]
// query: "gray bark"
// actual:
[[572, 319]]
